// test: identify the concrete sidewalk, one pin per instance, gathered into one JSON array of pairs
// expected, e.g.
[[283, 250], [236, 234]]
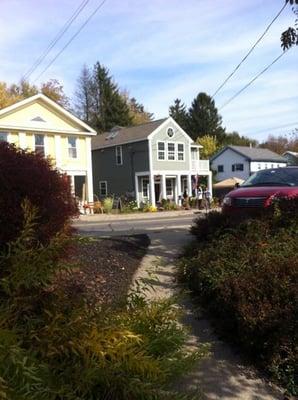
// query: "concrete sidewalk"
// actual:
[[223, 375], [137, 216]]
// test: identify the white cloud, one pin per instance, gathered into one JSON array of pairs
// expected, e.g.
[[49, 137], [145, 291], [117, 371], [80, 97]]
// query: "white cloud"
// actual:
[[163, 49]]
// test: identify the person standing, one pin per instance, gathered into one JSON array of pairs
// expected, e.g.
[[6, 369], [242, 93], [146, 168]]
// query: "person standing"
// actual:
[[207, 195], [186, 200], [199, 196]]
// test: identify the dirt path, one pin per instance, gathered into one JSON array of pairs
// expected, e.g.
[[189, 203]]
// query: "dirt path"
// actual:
[[221, 376]]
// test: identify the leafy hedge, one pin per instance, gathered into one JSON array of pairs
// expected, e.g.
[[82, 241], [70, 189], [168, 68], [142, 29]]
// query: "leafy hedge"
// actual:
[[246, 274], [25, 174], [53, 347]]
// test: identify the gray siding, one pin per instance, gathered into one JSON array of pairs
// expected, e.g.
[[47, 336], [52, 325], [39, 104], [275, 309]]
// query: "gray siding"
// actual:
[[227, 158], [120, 178], [291, 159], [178, 137]]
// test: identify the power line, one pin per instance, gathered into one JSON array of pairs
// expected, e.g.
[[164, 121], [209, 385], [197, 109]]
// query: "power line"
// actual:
[[70, 40], [65, 27], [252, 81], [250, 51]]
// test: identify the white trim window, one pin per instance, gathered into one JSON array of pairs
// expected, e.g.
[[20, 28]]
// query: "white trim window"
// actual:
[[169, 188], [72, 147], [171, 151], [103, 188], [161, 151], [3, 136], [180, 151], [119, 157], [145, 188], [237, 167], [170, 132], [39, 144], [184, 185]]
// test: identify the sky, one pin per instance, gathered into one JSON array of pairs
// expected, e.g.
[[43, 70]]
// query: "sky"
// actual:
[[159, 50]]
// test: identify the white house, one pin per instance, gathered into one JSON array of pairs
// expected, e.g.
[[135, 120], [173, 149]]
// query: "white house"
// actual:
[[292, 157], [242, 161], [41, 125]]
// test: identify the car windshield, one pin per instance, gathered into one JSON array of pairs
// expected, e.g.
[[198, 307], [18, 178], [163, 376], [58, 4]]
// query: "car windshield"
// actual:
[[273, 177]]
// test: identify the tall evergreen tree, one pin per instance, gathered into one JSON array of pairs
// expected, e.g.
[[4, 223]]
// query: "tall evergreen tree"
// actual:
[[100, 101], [204, 118], [110, 108], [179, 113]]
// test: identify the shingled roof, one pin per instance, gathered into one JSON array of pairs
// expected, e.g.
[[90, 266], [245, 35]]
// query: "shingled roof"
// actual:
[[119, 135], [253, 153]]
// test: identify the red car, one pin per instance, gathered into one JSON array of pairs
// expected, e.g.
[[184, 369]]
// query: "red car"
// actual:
[[258, 191]]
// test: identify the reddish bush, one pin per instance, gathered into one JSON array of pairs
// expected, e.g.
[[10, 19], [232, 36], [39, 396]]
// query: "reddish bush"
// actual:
[[24, 174], [246, 275]]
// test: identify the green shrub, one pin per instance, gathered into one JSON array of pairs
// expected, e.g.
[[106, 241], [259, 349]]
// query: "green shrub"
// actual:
[[108, 204], [129, 206], [53, 347], [215, 223], [168, 205], [246, 274]]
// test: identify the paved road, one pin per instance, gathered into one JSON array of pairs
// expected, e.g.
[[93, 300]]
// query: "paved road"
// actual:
[[133, 226]]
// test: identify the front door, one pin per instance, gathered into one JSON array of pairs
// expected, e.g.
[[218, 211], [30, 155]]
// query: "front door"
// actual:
[[157, 192], [170, 187]]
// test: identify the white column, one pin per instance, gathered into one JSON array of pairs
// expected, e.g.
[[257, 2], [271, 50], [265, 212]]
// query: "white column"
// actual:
[[189, 184], [22, 140], [178, 187], [72, 184], [151, 175], [46, 146], [89, 182], [58, 152], [151, 188], [163, 186], [137, 190], [210, 183]]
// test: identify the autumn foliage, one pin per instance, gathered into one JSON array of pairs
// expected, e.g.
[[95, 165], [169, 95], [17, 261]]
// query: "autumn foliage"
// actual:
[[246, 273], [24, 174]]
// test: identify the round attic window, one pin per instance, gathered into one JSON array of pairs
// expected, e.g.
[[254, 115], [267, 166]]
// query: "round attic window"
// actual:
[[170, 132]]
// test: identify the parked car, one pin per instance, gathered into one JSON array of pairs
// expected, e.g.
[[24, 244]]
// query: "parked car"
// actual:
[[260, 189]]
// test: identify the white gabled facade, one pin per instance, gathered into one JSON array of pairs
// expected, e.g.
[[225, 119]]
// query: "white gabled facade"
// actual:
[[174, 165], [229, 163], [40, 124]]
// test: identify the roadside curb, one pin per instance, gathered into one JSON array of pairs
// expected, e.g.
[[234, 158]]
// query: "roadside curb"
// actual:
[[137, 216]]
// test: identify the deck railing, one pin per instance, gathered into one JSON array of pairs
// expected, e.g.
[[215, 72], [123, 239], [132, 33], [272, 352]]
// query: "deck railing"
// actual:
[[200, 166]]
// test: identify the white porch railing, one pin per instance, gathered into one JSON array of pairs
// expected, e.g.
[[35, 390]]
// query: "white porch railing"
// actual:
[[200, 166]]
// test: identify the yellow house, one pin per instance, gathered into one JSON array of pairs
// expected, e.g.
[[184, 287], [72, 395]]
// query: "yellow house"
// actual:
[[39, 124]]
